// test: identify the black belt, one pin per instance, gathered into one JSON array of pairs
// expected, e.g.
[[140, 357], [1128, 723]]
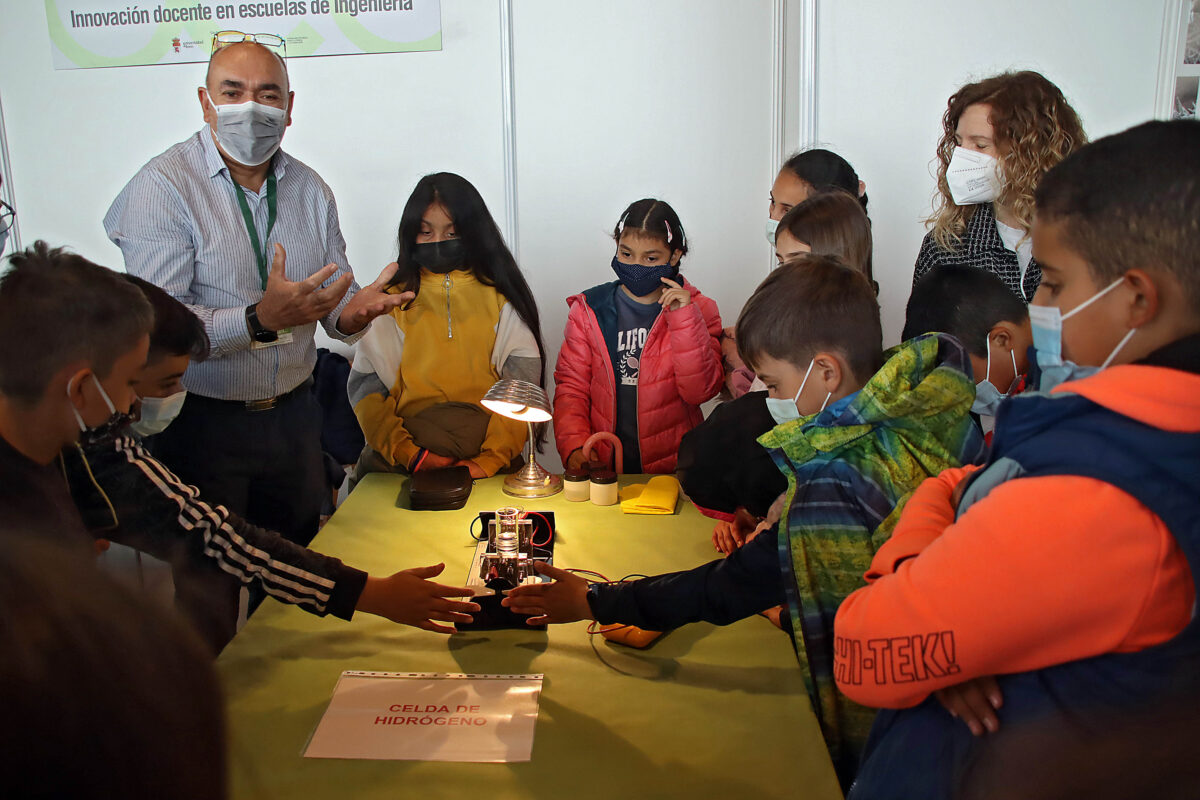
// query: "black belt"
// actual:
[[265, 404]]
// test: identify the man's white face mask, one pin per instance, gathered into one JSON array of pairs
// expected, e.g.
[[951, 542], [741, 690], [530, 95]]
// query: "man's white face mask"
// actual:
[[249, 132]]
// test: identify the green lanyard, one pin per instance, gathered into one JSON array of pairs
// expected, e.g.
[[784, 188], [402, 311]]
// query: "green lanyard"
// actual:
[[250, 229]]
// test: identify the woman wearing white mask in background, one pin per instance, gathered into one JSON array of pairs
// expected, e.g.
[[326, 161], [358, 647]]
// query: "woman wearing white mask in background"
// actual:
[[1001, 134]]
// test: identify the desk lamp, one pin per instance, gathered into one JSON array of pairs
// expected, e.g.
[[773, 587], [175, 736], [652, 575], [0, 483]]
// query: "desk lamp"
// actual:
[[527, 402]]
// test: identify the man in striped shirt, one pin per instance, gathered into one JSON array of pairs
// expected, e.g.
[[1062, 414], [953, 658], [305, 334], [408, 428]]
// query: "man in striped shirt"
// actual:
[[255, 250]]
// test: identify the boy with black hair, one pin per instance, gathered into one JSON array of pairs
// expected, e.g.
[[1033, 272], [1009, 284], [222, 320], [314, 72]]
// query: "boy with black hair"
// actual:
[[1088, 610], [977, 308], [73, 337], [863, 428], [128, 496]]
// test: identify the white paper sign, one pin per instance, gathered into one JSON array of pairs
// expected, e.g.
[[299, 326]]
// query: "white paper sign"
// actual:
[[427, 716]]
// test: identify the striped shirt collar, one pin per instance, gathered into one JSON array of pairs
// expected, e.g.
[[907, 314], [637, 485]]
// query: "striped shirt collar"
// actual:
[[215, 164]]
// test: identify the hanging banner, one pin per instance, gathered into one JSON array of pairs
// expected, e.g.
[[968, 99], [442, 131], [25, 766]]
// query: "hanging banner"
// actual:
[[112, 33], [422, 716]]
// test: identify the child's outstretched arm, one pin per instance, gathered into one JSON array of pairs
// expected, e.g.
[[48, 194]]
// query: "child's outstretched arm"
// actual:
[[694, 332], [410, 598], [720, 592], [163, 516], [563, 600]]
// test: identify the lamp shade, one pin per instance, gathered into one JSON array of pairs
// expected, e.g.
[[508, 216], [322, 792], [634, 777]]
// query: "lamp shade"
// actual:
[[518, 400]]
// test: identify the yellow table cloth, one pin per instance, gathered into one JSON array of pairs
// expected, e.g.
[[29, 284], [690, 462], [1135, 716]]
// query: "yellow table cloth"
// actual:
[[706, 712]]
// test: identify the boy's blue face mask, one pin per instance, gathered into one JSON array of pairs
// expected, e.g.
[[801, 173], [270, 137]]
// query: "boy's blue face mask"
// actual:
[[1047, 322], [642, 280]]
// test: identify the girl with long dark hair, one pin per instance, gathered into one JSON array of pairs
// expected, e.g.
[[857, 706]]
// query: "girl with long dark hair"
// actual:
[[421, 371]]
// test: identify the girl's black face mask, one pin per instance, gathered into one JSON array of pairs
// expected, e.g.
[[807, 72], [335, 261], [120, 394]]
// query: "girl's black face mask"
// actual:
[[440, 257]]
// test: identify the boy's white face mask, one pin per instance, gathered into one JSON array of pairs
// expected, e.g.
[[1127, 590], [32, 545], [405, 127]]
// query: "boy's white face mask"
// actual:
[[973, 177], [783, 410], [158, 413]]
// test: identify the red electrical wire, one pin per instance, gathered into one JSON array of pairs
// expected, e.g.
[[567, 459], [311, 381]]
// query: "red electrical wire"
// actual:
[[549, 529]]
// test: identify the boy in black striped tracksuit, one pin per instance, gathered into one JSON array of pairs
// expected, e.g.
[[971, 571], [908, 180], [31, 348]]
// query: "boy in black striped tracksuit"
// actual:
[[126, 495]]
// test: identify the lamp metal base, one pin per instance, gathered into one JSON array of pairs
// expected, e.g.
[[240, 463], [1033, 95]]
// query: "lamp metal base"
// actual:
[[532, 481]]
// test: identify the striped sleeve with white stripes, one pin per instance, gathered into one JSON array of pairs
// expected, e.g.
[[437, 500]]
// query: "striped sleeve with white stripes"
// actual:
[[156, 510]]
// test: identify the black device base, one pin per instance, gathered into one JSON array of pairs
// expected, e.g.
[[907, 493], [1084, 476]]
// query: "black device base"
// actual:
[[491, 615]]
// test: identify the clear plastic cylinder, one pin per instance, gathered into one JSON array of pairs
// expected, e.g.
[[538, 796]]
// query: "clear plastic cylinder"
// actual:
[[508, 533]]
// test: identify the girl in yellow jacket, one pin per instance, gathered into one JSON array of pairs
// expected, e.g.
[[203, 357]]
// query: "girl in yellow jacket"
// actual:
[[421, 370]]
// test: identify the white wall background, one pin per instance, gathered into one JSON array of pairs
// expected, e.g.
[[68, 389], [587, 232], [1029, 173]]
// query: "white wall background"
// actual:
[[626, 111], [614, 101], [886, 70]]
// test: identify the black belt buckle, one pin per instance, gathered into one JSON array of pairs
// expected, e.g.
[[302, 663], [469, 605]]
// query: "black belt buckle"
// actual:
[[265, 404]]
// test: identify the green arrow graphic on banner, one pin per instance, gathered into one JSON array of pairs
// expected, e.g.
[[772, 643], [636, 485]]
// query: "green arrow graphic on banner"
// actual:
[[368, 42], [79, 55]]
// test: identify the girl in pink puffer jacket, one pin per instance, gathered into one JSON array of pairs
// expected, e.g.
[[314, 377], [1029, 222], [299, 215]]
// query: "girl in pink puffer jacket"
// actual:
[[640, 354]]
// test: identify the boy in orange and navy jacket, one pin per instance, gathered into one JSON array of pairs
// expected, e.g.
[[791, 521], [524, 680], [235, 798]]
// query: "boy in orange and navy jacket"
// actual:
[[1055, 583]]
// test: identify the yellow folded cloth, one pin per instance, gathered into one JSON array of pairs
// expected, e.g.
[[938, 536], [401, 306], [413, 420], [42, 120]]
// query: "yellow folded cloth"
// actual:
[[656, 496]]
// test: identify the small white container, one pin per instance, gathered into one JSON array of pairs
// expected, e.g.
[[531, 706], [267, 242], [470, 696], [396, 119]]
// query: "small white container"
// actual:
[[577, 485], [604, 487]]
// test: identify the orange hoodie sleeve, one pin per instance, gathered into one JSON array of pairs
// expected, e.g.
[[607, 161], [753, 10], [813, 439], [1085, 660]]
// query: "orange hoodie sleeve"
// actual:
[[1040, 572], [927, 513]]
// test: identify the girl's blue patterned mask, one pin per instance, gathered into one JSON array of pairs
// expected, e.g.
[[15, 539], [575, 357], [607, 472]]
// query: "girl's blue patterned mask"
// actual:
[[641, 280]]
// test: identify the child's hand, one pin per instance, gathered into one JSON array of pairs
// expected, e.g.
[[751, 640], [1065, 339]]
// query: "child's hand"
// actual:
[[975, 703], [727, 537], [675, 297], [477, 472], [408, 598], [576, 459], [564, 600], [434, 461]]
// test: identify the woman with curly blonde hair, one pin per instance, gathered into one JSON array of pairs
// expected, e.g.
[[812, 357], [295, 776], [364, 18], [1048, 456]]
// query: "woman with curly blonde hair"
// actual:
[[1001, 134]]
